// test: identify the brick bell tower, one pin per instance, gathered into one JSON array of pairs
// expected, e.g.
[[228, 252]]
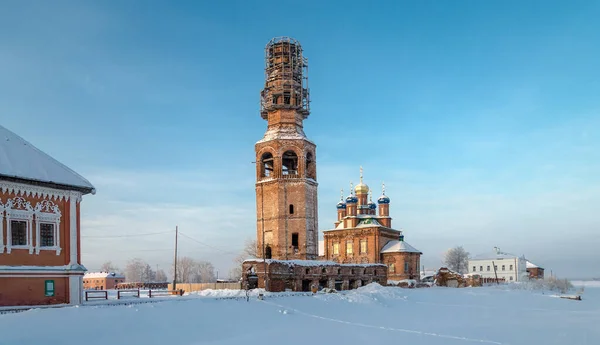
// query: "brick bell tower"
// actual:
[[286, 174]]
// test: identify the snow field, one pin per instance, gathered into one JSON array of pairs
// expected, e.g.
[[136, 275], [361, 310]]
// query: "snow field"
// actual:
[[489, 315]]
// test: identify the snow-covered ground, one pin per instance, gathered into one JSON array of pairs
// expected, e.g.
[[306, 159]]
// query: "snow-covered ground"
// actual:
[[371, 314]]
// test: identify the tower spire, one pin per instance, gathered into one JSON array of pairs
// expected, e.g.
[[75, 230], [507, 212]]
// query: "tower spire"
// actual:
[[383, 188], [351, 188], [361, 174], [342, 194]]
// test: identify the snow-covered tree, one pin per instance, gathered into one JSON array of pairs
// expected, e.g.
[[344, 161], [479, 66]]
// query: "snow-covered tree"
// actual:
[[137, 270], [457, 259], [161, 276], [109, 267]]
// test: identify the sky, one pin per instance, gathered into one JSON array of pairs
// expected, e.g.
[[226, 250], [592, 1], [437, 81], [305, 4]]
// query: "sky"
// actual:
[[481, 117]]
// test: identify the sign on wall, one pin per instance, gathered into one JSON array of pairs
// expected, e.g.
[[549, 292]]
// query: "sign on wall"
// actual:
[[49, 288]]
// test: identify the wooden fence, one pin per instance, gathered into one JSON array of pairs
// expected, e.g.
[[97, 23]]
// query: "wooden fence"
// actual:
[[190, 287]]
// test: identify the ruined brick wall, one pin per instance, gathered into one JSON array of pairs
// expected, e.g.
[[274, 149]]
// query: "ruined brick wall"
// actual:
[[405, 265], [301, 277]]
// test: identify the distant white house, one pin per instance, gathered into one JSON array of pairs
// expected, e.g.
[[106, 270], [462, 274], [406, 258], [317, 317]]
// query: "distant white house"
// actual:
[[501, 265]]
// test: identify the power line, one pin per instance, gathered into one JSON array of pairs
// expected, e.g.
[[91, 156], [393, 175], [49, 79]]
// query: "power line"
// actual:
[[206, 245], [130, 235]]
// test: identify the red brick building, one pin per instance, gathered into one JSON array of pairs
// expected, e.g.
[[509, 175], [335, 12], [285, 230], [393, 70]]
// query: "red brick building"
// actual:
[[102, 280], [534, 271], [40, 200], [363, 233]]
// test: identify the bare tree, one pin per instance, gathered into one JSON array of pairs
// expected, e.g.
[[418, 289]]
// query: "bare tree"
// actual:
[[109, 267], [192, 271], [137, 270], [205, 272], [457, 259], [248, 252], [160, 276], [185, 269]]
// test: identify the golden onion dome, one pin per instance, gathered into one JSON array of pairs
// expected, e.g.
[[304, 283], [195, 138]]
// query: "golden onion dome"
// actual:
[[361, 188]]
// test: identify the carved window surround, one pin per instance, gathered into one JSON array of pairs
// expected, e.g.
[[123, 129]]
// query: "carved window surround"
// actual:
[[19, 209], [47, 212]]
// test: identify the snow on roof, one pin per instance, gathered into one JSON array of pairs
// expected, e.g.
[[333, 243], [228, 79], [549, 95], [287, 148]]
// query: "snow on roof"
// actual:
[[396, 246], [368, 222], [321, 248], [284, 133], [19, 159], [103, 275], [529, 264], [311, 263]]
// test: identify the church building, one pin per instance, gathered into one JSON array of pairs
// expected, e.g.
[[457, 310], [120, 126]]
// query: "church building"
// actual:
[[40, 206], [363, 233], [286, 188]]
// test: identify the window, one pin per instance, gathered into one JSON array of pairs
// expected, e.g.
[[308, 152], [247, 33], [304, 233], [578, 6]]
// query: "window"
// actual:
[[474, 268], [18, 232], [363, 246], [495, 267], [488, 268], [510, 278], [268, 252], [511, 267], [503, 267], [46, 235], [392, 268], [405, 267], [47, 225], [349, 247], [480, 268], [19, 215], [295, 240], [267, 165], [336, 249], [291, 209], [289, 163]]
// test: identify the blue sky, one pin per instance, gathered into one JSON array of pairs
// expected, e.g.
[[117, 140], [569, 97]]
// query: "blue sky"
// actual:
[[481, 117]]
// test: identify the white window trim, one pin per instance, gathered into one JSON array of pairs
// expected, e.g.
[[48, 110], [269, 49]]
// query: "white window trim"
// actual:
[[47, 211], [19, 209], [1, 227]]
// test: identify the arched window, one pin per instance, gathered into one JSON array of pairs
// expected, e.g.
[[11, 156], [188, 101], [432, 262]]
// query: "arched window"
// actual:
[[266, 164], [289, 163], [268, 252], [291, 209], [311, 171]]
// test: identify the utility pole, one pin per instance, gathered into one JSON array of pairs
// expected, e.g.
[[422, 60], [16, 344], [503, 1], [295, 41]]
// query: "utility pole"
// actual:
[[175, 262]]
